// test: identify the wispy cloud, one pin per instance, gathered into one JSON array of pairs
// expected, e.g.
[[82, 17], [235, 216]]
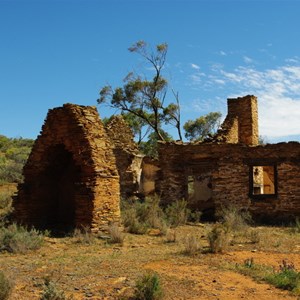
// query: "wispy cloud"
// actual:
[[194, 66], [247, 60], [277, 89]]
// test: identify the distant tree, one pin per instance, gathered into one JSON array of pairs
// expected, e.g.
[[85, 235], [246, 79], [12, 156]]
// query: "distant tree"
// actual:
[[202, 127], [150, 147], [13, 155], [145, 99]]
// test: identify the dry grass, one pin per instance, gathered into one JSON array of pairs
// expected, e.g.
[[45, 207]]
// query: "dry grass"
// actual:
[[101, 271]]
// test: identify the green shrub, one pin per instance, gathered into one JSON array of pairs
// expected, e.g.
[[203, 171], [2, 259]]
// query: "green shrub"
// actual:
[[138, 216], [218, 238], [18, 239], [131, 221], [234, 218], [51, 292], [177, 213], [5, 205], [148, 287], [5, 287], [288, 278]]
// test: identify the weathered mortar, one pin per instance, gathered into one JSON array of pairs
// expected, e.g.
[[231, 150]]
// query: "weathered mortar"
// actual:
[[70, 178]]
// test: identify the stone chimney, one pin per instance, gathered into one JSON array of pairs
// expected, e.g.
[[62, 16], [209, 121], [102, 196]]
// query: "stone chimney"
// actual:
[[244, 109]]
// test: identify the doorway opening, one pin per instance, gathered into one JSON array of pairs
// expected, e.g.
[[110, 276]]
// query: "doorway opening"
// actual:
[[58, 190]]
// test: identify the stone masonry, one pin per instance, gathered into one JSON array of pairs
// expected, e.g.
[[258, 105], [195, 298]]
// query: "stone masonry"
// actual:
[[221, 171], [126, 153], [70, 179]]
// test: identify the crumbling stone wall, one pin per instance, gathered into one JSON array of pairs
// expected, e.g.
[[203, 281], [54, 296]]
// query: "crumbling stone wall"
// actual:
[[126, 154], [230, 168], [241, 122], [227, 163], [70, 178]]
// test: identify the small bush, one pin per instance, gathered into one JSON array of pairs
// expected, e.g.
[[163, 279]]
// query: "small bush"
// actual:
[[254, 236], [17, 239], [5, 205], [138, 217], [177, 213], [5, 287], [191, 245], [131, 221], [51, 292], [218, 238], [83, 235], [148, 287], [116, 235], [234, 218]]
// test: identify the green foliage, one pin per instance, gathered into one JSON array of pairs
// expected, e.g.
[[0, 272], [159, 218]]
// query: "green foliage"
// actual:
[[177, 213], [138, 216], [234, 218], [218, 238], [13, 155], [202, 127], [5, 287], [148, 287], [286, 278], [5, 205], [145, 98], [131, 220], [150, 148], [51, 292], [18, 239]]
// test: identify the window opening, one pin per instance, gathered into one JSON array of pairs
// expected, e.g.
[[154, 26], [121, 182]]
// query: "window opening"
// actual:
[[263, 180]]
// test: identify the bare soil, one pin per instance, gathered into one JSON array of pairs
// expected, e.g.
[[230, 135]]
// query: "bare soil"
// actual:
[[109, 271]]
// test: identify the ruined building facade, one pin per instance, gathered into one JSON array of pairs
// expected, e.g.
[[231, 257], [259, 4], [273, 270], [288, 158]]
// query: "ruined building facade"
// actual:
[[233, 169]]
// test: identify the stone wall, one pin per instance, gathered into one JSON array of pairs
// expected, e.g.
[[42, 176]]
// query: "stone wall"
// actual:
[[229, 166], [70, 178], [126, 154], [225, 164]]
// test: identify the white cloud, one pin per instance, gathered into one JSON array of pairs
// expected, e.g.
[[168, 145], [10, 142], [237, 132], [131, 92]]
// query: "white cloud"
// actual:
[[223, 53], [278, 92], [194, 66]]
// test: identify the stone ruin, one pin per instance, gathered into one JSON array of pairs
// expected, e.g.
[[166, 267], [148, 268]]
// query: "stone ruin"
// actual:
[[78, 170], [232, 168], [71, 177]]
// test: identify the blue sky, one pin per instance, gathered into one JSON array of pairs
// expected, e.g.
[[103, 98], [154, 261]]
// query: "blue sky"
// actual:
[[59, 51]]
